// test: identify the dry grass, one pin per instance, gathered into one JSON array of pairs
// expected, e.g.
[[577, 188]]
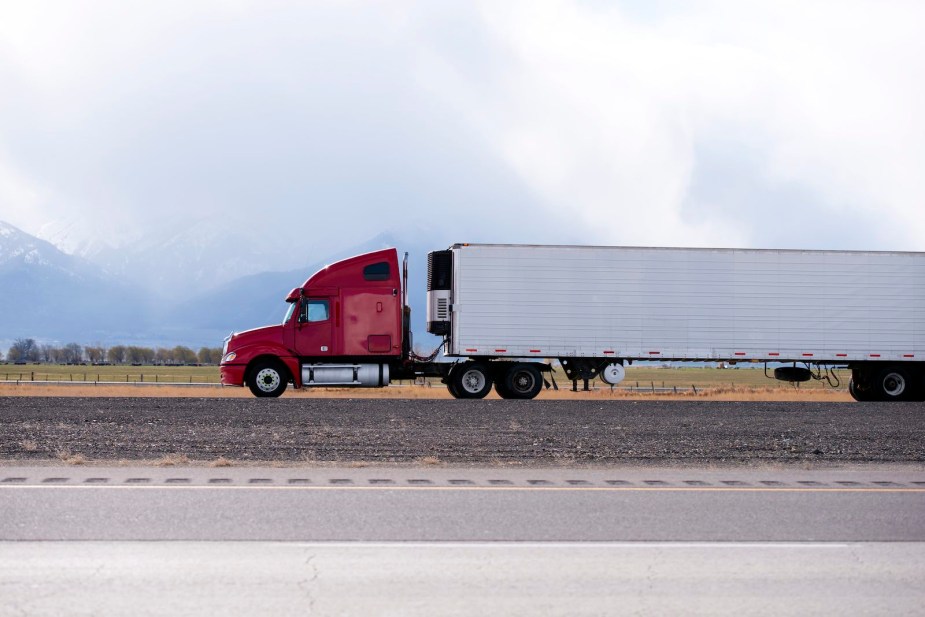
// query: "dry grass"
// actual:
[[172, 460], [428, 460], [711, 384], [725, 393], [67, 458], [221, 462], [29, 445]]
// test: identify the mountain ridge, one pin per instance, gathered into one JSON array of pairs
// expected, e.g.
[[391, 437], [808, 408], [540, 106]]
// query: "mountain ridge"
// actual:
[[52, 296]]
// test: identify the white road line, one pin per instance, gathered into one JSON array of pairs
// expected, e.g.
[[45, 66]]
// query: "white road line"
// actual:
[[492, 489]]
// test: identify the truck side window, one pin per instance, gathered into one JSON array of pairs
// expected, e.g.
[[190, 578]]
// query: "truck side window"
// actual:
[[316, 310], [376, 272]]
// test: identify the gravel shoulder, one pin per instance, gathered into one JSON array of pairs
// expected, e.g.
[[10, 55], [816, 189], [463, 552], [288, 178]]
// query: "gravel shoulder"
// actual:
[[489, 432]]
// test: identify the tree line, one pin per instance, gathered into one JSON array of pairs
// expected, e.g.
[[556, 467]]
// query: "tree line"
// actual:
[[28, 350]]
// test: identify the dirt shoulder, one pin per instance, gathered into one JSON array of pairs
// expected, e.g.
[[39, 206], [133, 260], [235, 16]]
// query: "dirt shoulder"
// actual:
[[488, 432], [437, 392]]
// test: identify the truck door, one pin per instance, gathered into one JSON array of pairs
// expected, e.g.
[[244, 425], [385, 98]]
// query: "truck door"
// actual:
[[313, 331]]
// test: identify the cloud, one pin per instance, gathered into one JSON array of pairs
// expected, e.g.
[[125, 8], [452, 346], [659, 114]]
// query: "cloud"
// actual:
[[319, 125], [611, 118]]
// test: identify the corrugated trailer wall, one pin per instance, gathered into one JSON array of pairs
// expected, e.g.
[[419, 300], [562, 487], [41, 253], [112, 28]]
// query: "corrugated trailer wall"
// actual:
[[664, 303]]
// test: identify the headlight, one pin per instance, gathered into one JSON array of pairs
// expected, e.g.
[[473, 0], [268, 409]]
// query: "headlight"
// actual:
[[229, 357]]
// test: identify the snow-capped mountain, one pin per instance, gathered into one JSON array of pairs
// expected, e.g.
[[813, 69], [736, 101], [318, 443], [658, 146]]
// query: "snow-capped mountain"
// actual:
[[138, 297], [172, 261], [47, 294]]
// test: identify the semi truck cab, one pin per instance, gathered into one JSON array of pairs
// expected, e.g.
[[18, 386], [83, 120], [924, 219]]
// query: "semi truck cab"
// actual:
[[344, 326]]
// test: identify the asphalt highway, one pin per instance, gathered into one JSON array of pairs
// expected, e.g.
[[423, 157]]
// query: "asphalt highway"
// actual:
[[466, 504], [364, 507], [461, 541]]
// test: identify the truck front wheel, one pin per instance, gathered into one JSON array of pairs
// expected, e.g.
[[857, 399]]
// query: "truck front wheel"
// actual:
[[470, 380], [267, 379]]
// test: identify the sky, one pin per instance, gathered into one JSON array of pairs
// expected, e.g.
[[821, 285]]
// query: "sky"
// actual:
[[271, 123]]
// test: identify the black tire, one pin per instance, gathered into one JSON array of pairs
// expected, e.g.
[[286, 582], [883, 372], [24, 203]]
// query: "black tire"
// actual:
[[523, 381], [894, 383], [267, 378], [501, 389], [471, 380], [859, 394], [453, 391]]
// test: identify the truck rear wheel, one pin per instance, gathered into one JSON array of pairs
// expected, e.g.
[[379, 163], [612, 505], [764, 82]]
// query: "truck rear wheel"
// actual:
[[523, 381], [453, 391], [267, 379], [501, 389], [894, 384], [470, 380]]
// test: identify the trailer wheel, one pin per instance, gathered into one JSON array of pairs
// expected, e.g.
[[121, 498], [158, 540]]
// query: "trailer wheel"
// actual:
[[523, 381], [860, 394], [856, 393], [267, 378], [471, 380], [894, 384]]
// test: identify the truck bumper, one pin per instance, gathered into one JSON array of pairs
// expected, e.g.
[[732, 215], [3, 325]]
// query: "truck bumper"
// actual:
[[232, 374]]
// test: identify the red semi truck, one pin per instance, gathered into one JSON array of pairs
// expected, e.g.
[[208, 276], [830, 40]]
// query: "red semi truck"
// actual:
[[347, 325], [502, 309]]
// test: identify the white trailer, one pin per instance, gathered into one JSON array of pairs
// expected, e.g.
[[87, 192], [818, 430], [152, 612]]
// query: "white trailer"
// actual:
[[597, 308]]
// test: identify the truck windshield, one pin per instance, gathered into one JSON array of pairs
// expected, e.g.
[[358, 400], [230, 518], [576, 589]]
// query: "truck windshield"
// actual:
[[289, 311]]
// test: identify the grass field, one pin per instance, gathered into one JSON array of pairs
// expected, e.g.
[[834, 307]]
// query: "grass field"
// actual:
[[120, 373], [640, 382]]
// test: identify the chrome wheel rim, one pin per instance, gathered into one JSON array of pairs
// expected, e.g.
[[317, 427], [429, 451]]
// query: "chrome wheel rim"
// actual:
[[523, 381], [894, 384], [267, 380], [473, 381]]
